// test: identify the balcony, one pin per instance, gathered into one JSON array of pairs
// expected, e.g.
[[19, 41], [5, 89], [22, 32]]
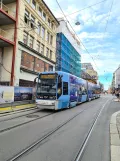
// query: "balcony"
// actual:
[[7, 11], [6, 38], [5, 43]]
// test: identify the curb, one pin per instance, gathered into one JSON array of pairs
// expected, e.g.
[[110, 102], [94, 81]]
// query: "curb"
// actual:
[[16, 108], [114, 138]]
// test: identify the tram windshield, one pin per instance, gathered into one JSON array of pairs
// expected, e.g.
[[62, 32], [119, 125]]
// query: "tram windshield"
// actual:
[[46, 88]]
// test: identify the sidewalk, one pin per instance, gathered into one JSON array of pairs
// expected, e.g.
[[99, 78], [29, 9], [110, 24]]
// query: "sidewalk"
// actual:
[[5, 108], [115, 136]]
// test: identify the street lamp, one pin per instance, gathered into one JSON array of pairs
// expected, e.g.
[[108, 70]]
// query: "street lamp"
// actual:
[[77, 23]]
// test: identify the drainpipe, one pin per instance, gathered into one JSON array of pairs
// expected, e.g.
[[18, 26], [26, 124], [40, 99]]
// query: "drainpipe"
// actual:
[[14, 48], [0, 63]]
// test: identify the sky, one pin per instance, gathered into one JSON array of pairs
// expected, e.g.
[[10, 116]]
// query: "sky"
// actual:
[[99, 31]]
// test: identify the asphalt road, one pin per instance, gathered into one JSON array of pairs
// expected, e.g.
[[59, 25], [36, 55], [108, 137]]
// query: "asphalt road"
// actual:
[[64, 144]]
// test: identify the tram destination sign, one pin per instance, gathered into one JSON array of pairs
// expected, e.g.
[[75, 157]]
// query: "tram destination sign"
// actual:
[[47, 76]]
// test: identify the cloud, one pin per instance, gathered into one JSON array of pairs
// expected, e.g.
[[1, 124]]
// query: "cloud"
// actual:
[[93, 35], [106, 62]]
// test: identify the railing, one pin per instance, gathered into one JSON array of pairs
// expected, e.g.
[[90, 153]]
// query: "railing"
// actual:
[[4, 34], [7, 9]]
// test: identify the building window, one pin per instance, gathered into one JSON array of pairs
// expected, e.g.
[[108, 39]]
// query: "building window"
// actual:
[[44, 16], [43, 32], [31, 42], [33, 19], [33, 4], [42, 49], [27, 60], [38, 46], [50, 68], [28, 1], [47, 52], [52, 25], [54, 28], [22, 59], [25, 38], [26, 17], [48, 22], [51, 40], [50, 54], [32, 22], [38, 65], [23, 56], [39, 28], [48, 37], [40, 11], [32, 64], [46, 67]]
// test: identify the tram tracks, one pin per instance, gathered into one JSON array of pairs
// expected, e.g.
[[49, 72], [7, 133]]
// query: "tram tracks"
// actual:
[[83, 146], [80, 152], [29, 148], [24, 123], [17, 117], [17, 112]]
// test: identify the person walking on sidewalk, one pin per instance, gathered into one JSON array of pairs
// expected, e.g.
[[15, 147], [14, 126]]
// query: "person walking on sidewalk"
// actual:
[[117, 93], [113, 92]]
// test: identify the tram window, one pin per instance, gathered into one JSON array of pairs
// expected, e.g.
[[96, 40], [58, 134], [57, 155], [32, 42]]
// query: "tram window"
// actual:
[[59, 91], [65, 88], [85, 91]]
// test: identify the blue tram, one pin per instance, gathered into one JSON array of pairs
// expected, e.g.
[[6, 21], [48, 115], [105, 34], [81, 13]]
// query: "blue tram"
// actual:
[[58, 90]]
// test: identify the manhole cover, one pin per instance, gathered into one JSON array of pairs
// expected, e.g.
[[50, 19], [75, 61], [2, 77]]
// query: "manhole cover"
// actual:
[[32, 116]]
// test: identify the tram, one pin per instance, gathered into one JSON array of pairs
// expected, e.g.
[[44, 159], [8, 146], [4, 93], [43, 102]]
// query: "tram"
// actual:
[[58, 90]]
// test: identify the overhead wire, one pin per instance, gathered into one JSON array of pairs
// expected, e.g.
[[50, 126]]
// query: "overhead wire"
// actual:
[[86, 8], [109, 16]]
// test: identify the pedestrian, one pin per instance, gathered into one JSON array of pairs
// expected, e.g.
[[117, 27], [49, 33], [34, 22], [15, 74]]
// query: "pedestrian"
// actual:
[[117, 94], [113, 93]]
